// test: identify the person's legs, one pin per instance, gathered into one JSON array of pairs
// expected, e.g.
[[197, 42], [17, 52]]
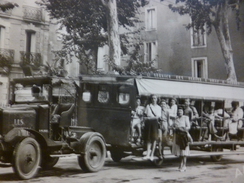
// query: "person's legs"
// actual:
[[153, 149], [160, 144], [149, 145], [181, 163], [138, 128], [184, 161]]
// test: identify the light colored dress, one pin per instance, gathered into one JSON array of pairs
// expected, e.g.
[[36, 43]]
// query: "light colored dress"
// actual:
[[182, 121], [172, 113], [138, 116]]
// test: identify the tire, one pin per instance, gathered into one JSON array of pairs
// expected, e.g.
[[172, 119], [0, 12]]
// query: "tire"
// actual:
[[48, 162], [216, 158], [158, 162], [26, 158], [95, 152]]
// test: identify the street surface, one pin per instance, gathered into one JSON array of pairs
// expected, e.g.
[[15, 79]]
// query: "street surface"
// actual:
[[131, 169]]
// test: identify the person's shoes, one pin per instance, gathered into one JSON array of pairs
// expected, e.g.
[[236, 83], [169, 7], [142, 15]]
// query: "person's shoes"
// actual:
[[146, 157], [183, 169], [151, 158], [160, 157]]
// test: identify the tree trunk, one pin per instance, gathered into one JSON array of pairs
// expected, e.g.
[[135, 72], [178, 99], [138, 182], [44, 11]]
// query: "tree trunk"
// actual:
[[113, 32], [222, 30]]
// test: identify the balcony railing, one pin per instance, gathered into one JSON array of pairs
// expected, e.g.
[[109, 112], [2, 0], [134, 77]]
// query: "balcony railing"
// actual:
[[30, 58], [7, 53], [32, 13]]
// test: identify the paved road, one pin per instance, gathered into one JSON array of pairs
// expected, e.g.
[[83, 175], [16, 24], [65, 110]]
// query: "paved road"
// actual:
[[200, 169]]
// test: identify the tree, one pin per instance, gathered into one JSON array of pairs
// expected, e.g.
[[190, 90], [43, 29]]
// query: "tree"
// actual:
[[5, 61], [7, 6], [113, 31], [212, 14], [92, 24]]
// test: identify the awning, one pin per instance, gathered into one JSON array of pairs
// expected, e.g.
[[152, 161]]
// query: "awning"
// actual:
[[182, 89]]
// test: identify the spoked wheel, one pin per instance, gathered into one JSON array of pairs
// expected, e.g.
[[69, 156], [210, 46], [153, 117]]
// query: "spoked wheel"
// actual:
[[217, 158], [95, 151], [26, 158], [48, 162]]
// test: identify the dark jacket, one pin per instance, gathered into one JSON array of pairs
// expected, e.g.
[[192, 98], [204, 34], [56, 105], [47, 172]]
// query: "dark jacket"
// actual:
[[181, 138]]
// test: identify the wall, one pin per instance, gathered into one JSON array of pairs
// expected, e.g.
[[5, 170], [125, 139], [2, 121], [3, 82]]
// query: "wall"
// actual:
[[174, 44]]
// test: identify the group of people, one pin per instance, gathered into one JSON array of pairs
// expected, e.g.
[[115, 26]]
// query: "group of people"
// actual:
[[160, 123], [231, 121], [163, 120]]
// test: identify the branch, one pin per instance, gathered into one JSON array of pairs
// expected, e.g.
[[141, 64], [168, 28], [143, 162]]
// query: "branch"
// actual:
[[7, 6]]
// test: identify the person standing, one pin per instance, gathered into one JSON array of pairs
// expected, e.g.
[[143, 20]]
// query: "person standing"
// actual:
[[180, 145], [236, 119], [172, 113], [152, 115], [137, 118], [164, 124]]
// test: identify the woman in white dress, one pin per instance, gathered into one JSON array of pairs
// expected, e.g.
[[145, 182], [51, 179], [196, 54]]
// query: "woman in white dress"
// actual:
[[180, 145]]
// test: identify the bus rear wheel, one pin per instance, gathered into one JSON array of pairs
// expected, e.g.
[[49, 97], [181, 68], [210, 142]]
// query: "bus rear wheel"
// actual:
[[116, 154], [216, 158], [48, 162], [26, 158], [93, 158]]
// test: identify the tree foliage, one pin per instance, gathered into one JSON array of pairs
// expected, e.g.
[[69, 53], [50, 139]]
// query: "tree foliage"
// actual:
[[7, 6], [86, 27], [208, 15]]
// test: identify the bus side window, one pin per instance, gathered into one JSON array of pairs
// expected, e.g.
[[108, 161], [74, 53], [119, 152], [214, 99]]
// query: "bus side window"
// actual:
[[124, 98], [103, 96], [86, 96]]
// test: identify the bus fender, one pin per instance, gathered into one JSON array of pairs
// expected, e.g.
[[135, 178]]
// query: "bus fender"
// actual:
[[15, 135]]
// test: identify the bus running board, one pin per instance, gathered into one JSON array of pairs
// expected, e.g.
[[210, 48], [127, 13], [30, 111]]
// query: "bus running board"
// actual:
[[208, 154]]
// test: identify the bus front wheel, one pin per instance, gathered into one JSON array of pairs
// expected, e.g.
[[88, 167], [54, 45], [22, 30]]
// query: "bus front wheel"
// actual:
[[26, 158]]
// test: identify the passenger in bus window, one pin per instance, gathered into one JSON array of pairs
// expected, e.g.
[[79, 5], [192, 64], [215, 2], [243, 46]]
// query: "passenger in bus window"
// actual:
[[152, 115], [236, 111], [222, 116], [36, 93], [180, 145], [209, 114], [195, 115], [137, 119], [164, 124], [187, 109]]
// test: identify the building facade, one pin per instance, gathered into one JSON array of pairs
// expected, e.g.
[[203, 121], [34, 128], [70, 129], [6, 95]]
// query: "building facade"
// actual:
[[179, 51], [27, 38]]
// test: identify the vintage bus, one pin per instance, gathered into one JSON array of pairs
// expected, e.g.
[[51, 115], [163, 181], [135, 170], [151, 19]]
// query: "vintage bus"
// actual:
[[91, 115], [106, 103]]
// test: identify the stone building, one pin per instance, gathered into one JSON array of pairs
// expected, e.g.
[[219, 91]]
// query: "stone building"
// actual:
[[27, 38], [179, 51]]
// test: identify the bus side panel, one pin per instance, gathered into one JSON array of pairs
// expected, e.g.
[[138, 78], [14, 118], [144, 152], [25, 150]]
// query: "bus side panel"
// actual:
[[113, 124]]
